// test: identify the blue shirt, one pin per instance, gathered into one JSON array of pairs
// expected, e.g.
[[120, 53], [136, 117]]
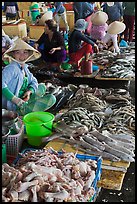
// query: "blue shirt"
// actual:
[[12, 77], [75, 40], [114, 12]]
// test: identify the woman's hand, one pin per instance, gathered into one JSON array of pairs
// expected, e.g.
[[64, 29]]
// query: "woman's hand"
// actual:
[[36, 45], [96, 49], [26, 95], [52, 50]]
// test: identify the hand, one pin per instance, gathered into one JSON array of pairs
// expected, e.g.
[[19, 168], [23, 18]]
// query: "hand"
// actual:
[[52, 50], [54, 14], [36, 45], [26, 95], [121, 19], [96, 49], [18, 101]]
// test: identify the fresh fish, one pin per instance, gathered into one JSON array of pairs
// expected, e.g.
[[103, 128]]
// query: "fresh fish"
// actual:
[[123, 137], [94, 142], [121, 148], [127, 143], [123, 156], [103, 154], [101, 137]]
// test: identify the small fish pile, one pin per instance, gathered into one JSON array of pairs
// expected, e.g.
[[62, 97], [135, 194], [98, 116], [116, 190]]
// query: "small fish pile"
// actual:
[[122, 116], [47, 176], [82, 116], [103, 58], [120, 68], [86, 100]]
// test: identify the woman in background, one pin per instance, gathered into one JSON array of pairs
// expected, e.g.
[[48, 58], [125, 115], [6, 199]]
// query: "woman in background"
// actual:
[[11, 10], [80, 44], [129, 20], [53, 43], [35, 11]]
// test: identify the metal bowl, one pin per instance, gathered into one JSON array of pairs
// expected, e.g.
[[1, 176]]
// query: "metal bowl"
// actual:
[[9, 117]]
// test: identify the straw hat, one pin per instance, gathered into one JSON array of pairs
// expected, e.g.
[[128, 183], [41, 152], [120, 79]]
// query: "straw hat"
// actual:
[[46, 16], [81, 25], [19, 44], [116, 27], [3, 33], [99, 18], [110, 3]]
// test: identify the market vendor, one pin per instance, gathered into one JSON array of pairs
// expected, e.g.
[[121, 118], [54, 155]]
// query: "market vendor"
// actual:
[[18, 83], [99, 25], [53, 43], [111, 35], [80, 44]]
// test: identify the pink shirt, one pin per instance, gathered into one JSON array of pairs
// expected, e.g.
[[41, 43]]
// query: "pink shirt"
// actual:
[[98, 31]]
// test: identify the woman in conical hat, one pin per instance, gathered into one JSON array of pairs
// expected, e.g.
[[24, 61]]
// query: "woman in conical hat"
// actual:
[[18, 83], [113, 30], [99, 25]]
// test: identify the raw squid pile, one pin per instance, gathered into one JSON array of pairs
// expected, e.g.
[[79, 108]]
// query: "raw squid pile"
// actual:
[[46, 176]]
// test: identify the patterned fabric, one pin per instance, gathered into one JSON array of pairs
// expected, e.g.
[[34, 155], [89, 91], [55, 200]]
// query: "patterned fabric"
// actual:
[[98, 31]]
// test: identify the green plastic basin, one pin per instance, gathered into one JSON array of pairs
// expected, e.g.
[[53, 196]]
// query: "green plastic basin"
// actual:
[[38, 125]]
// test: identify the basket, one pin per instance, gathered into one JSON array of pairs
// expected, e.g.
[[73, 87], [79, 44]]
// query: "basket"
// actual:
[[14, 142], [80, 157]]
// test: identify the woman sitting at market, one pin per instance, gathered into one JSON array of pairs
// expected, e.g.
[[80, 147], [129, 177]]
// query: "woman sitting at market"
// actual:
[[80, 44], [53, 42], [18, 83]]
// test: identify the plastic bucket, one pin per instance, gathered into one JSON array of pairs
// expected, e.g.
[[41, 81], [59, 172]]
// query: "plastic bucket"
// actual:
[[38, 125]]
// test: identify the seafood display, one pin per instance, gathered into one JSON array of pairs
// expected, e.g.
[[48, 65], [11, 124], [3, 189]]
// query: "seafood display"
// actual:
[[96, 115], [114, 147], [120, 68], [116, 66], [81, 116], [103, 58], [47, 176], [123, 116]]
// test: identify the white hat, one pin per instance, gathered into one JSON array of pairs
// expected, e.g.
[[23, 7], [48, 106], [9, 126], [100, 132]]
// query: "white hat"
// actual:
[[3, 33], [99, 18], [19, 44], [48, 15], [116, 27], [110, 3], [81, 24]]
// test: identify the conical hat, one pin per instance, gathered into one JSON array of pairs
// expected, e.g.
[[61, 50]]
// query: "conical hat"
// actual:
[[46, 16], [3, 33], [110, 3], [116, 27], [19, 44], [99, 18]]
